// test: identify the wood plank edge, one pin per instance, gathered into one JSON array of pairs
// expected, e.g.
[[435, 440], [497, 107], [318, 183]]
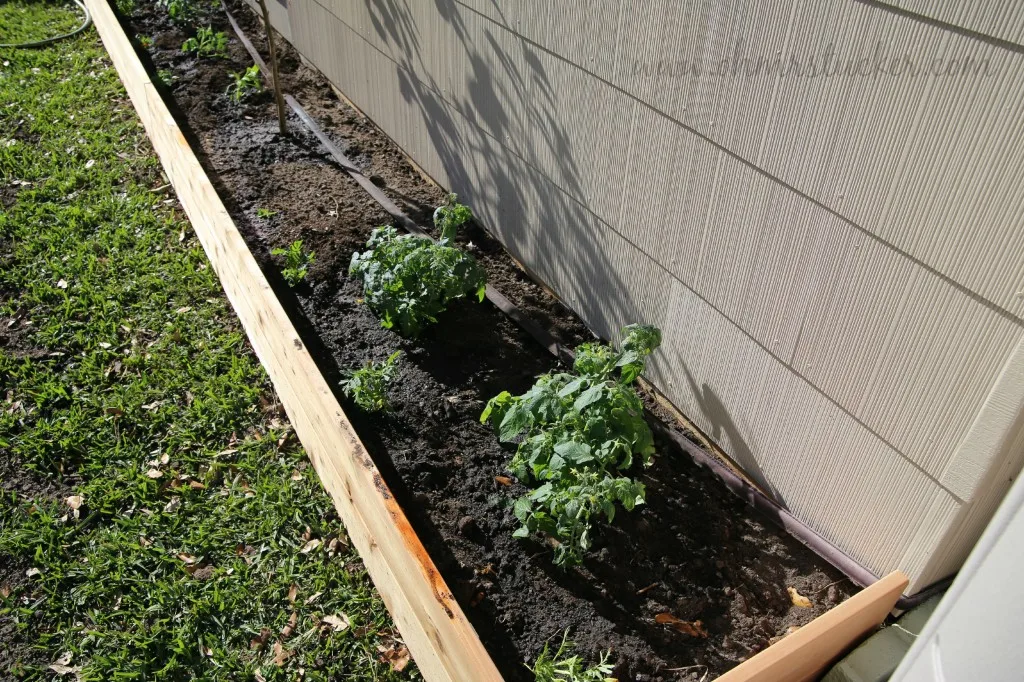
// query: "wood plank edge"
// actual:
[[433, 625], [805, 654]]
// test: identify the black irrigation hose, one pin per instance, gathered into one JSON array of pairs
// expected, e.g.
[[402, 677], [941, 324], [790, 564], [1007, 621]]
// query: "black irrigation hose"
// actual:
[[49, 41]]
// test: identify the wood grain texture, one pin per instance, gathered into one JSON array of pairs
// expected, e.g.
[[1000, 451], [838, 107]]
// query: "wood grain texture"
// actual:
[[807, 653], [443, 643]]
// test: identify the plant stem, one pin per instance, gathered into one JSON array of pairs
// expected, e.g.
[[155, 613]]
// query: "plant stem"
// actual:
[[273, 68]]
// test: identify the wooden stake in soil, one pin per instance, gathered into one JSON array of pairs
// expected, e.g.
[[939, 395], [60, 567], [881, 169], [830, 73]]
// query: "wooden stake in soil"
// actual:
[[273, 67]]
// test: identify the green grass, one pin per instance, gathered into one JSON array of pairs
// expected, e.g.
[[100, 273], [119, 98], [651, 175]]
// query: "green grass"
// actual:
[[22, 22], [198, 506]]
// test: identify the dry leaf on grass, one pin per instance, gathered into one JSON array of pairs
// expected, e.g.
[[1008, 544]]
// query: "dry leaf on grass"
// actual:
[[310, 546], [62, 666], [693, 629], [75, 501], [338, 622], [280, 654], [293, 592], [799, 599], [5, 591], [313, 598], [289, 628], [66, 670], [154, 473], [397, 656], [261, 639]]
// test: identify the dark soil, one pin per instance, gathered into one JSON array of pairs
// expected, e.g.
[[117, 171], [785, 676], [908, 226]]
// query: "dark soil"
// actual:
[[694, 551]]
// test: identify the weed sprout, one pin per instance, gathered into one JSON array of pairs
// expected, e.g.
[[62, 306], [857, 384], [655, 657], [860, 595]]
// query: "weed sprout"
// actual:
[[207, 43], [561, 667], [296, 262], [368, 386], [245, 84]]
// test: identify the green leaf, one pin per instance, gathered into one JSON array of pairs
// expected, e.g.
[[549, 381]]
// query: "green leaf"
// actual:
[[572, 387], [588, 397], [517, 420], [522, 509], [574, 452], [521, 532], [497, 402]]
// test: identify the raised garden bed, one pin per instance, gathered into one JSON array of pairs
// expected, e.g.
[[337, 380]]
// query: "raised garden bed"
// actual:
[[693, 551]]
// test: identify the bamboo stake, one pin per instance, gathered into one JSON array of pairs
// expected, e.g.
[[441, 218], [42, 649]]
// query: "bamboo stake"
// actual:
[[273, 68]]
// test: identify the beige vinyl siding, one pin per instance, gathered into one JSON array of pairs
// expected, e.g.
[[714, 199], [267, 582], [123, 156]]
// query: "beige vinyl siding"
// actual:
[[837, 261]]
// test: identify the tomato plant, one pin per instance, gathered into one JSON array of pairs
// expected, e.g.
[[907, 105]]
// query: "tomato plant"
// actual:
[[577, 431], [410, 280]]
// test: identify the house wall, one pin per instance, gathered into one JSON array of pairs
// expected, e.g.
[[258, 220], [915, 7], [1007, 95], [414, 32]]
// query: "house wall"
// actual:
[[819, 203]]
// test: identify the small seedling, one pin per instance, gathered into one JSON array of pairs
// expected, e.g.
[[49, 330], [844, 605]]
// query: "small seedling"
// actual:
[[125, 7], [180, 10], [561, 667], [246, 83], [265, 213], [296, 262], [450, 216], [166, 76], [207, 43], [144, 41], [368, 386]]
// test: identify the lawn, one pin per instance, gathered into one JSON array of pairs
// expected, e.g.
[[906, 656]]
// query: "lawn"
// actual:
[[158, 520]]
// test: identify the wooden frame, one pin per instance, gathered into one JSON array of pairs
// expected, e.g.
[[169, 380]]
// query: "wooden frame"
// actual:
[[433, 625], [808, 652], [440, 638]]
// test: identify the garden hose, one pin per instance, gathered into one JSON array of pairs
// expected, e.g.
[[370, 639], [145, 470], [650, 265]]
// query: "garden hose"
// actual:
[[50, 41]]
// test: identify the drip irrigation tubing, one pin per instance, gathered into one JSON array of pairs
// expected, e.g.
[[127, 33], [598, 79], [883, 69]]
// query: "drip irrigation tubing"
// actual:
[[86, 21], [846, 564]]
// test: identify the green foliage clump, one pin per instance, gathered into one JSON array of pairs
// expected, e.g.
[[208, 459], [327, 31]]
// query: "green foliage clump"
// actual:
[[368, 386], [561, 667], [296, 262], [450, 216], [245, 83], [207, 43], [125, 7], [410, 280], [181, 11], [578, 431]]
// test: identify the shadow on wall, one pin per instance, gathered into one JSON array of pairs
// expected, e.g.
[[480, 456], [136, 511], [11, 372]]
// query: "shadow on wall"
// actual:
[[480, 143], [495, 171], [723, 429]]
